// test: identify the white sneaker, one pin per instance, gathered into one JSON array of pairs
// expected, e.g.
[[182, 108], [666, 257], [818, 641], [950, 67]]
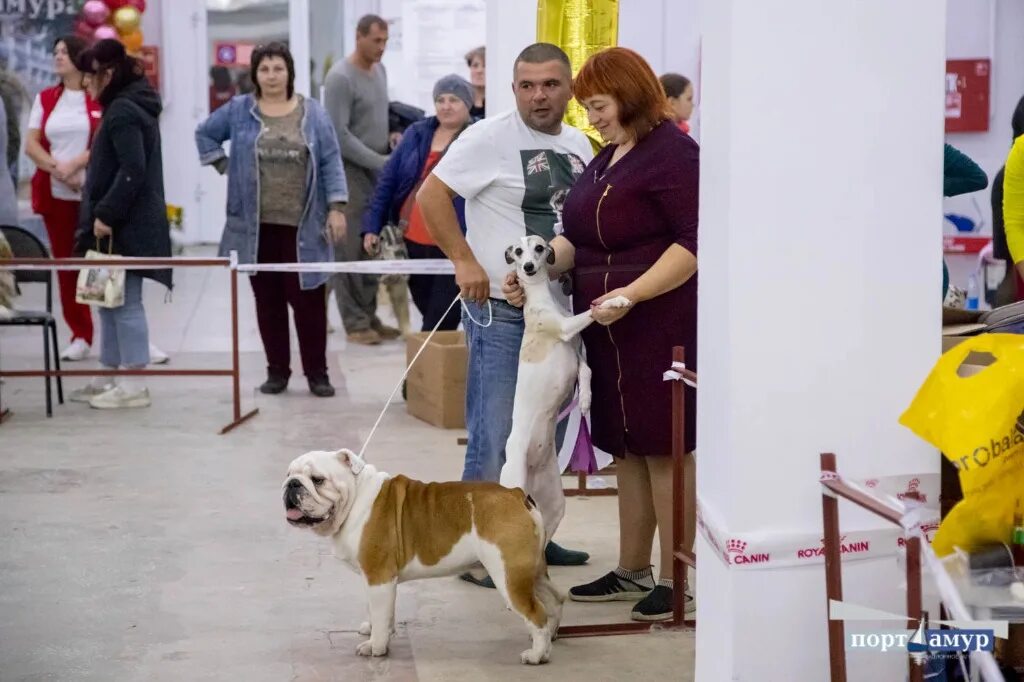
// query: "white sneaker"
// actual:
[[157, 356], [93, 389], [118, 398], [76, 350]]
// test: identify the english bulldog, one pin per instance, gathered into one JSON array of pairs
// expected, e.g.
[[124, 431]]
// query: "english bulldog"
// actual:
[[394, 529]]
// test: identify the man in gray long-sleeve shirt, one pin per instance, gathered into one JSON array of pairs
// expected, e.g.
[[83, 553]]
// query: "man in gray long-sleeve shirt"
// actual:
[[356, 97]]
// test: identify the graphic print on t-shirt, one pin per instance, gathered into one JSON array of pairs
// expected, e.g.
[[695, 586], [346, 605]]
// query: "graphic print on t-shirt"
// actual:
[[547, 176]]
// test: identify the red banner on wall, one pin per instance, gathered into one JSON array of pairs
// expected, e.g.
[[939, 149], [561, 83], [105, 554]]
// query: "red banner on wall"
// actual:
[[967, 95], [150, 56]]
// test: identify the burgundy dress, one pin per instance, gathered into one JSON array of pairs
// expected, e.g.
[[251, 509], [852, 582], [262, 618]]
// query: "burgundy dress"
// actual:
[[621, 221]]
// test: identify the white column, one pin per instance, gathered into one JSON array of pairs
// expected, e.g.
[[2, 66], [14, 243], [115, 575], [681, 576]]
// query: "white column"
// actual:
[[298, 43], [184, 87], [511, 26], [820, 266]]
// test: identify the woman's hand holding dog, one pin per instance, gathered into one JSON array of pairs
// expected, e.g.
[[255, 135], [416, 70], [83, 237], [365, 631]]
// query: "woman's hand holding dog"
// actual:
[[609, 315], [512, 291]]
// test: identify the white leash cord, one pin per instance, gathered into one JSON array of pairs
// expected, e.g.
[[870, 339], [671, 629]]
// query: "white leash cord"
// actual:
[[416, 357]]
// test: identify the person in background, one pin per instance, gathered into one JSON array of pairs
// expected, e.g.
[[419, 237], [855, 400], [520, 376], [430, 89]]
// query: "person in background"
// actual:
[[356, 97], [679, 91], [280, 141], [514, 170], [13, 94], [422, 146], [960, 175], [222, 89], [1012, 287], [61, 126], [631, 230], [1013, 207], [8, 196], [476, 60], [123, 210]]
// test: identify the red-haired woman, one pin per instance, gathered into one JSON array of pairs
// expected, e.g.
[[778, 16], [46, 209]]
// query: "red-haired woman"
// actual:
[[631, 230]]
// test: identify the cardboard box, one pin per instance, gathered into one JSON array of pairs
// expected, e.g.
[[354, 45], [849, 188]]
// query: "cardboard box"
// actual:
[[436, 386]]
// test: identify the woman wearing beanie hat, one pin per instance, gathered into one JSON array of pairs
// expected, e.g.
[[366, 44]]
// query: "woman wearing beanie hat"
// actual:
[[394, 199]]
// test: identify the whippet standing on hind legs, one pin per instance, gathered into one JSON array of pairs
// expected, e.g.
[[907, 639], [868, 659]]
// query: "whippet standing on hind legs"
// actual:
[[551, 362]]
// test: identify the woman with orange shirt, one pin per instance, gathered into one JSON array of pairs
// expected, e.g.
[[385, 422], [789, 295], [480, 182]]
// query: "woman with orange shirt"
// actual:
[[394, 199]]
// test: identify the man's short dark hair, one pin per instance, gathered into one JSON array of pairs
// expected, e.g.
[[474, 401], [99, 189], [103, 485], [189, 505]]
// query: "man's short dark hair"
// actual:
[[538, 53], [368, 21]]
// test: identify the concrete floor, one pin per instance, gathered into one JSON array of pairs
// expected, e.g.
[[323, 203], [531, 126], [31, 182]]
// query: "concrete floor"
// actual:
[[141, 545]]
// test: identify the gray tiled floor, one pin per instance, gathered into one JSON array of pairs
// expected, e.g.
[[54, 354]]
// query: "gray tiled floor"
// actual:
[[142, 546]]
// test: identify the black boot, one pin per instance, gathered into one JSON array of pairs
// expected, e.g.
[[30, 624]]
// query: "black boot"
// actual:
[[274, 384], [320, 386]]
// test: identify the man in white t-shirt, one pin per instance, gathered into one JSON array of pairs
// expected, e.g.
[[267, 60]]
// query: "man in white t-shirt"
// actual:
[[513, 170]]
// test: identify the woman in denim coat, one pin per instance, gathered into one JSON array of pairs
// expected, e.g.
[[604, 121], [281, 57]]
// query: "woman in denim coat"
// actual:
[[286, 192]]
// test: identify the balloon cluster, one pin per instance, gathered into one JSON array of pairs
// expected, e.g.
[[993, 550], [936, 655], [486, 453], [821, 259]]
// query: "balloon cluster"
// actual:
[[117, 19]]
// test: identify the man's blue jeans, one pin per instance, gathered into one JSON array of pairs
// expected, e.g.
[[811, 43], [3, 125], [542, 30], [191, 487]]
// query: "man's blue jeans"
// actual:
[[491, 385]]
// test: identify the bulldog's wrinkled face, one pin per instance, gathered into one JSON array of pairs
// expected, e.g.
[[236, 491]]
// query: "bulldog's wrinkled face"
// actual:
[[531, 256], [319, 490]]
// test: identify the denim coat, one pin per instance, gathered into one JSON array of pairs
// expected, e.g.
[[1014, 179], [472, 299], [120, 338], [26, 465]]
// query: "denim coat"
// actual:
[[239, 121], [400, 176]]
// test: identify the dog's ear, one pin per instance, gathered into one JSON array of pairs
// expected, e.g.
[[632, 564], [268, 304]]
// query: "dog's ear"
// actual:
[[551, 256], [508, 256], [352, 460]]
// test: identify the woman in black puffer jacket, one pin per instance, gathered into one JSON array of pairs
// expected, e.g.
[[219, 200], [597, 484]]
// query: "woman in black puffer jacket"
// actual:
[[123, 209]]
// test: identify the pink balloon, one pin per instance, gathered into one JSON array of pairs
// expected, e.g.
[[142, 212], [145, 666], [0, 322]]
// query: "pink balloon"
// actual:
[[95, 12], [104, 32]]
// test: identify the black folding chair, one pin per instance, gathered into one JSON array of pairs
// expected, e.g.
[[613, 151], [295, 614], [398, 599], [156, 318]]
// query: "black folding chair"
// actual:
[[24, 244]]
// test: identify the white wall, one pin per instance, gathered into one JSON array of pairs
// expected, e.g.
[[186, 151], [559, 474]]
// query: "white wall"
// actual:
[[815, 332]]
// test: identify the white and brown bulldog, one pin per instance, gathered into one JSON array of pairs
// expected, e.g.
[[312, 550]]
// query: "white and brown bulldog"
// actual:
[[394, 529]]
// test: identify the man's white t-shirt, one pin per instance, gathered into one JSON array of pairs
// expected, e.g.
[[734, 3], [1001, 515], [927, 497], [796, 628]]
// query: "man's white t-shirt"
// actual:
[[67, 130], [514, 180]]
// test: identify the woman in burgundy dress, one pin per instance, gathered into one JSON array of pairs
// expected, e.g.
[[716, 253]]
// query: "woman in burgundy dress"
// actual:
[[631, 229]]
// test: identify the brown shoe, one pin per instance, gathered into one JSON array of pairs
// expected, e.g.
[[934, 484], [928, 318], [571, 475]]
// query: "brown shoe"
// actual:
[[365, 337], [385, 332]]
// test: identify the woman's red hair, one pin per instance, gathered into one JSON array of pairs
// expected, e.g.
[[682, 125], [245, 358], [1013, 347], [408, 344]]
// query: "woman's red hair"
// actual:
[[626, 76]]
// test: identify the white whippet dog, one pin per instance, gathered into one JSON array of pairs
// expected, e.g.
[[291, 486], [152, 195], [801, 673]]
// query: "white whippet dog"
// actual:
[[550, 363]]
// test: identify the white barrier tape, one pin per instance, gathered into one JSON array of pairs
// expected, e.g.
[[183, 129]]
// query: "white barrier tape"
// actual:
[[828, 476], [418, 266], [781, 549], [121, 263], [676, 374], [414, 266]]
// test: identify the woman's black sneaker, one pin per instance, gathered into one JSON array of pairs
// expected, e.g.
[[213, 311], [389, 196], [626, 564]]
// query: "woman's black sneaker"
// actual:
[[321, 386], [655, 606], [609, 587], [274, 385]]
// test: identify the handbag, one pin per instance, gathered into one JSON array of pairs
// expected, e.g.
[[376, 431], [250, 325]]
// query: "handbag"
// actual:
[[101, 286]]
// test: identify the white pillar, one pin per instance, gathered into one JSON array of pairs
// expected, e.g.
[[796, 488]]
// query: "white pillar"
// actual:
[[184, 86], [820, 266], [298, 43], [511, 26]]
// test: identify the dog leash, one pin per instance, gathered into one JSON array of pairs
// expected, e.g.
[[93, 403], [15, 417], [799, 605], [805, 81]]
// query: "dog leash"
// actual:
[[458, 298]]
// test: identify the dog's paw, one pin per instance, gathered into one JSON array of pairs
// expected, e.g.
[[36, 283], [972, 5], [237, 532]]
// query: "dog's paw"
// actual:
[[616, 302], [368, 648], [364, 629], [531, 657]]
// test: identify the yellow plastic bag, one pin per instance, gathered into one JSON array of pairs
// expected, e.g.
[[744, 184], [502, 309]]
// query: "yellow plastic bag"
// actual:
[[972, 420]]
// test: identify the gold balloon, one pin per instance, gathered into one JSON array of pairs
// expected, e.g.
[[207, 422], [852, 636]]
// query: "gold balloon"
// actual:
[[581, 28], [127, 20]]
